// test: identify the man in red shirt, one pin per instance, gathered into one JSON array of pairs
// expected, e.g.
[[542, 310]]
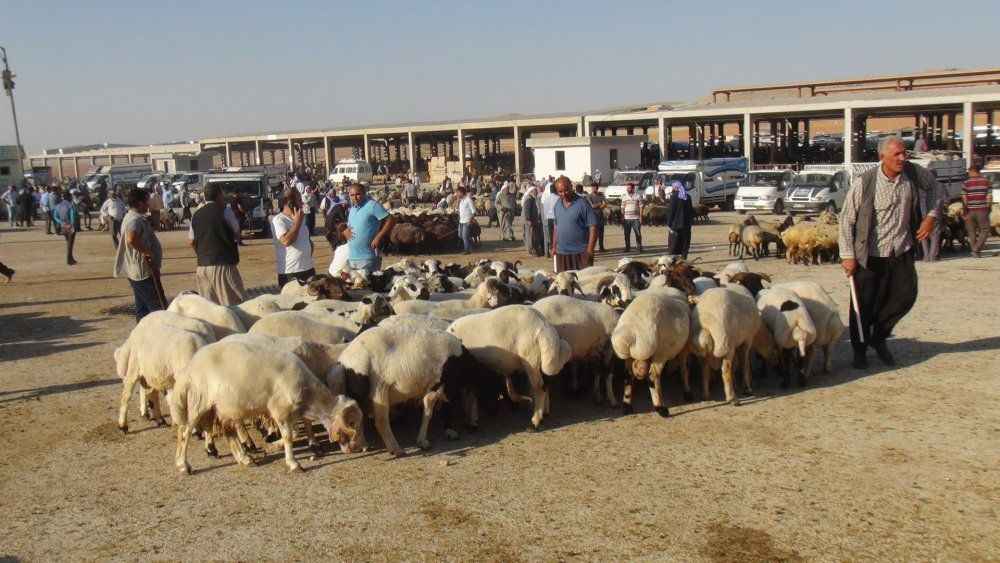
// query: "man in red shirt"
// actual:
[[976, 201]]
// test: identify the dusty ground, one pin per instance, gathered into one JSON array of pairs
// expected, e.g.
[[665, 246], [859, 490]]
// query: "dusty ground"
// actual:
[[890, 464]]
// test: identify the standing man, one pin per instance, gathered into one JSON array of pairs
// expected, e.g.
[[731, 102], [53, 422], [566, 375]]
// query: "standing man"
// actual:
[[155, 204], [879, 228], [575, 229], [66, 219], [532, 219], [548, 200], [26, 207], [292, 245], [139, 256], [680, 220], [114, 209], [632, 216], [597, 201], [214, 236], [466, 213], [10, 200], [368, 225], [506, 204], [977, 201], [47, 205]]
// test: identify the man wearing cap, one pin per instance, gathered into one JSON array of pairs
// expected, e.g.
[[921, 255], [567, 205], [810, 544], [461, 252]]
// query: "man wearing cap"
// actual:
[[631, 216]]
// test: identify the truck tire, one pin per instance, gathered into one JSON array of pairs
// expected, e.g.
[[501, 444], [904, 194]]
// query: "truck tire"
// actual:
[[779, 207], [730, 203]]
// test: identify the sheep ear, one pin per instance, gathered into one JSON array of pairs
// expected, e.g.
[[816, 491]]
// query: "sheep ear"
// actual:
[[576, 286], [299, 306], [789, 306]]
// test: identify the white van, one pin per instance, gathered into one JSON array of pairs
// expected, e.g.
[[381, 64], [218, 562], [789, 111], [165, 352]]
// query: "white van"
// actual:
[[353, 170], [643, 180], [764, 190], [712, 182], [948, 167], [823, 186]]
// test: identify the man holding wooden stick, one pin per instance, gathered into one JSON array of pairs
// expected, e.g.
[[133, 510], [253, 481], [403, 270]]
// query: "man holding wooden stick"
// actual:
[[879, 228]]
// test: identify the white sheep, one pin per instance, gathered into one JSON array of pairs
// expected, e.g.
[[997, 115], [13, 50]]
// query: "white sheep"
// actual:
[[653, 330], [587, 327], [416, 321], [609, 287], [316, 327], [489, 294], [363, 315], [724, 322], [156, 350], [824, 313], [224, 321], [514, 339], [387, 366], [788, 328], [252, 310], [227, 382], [703, 284]]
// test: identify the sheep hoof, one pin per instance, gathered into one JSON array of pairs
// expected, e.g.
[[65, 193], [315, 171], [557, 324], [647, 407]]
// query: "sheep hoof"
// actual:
[[535, 427], [735, 402], [627, 408], [272, 438], [211, 451], [184, 469], [450, 434], [294, 468], [663, 411], [123, 428], [250, 446], [688, 396], [398, 453]]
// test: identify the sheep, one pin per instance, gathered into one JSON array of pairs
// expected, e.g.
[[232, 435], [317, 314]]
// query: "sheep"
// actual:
[[638, 273], [536, 283], [786, 320], [223, 320], [735, 245], [227, 382], [653, 330], [157, 349], [516, 339], [490, 294], [356, 316], [752, 238], [702, 284], [565, 283], [587, 327], [416, 321], [750, 280], [251, 310], [824, 313], [724, 323], [315, 327], [321, 286], [609, 287], [389, 365], [408, 288]]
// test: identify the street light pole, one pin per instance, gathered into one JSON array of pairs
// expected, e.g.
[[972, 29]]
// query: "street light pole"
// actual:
[[8, 86]]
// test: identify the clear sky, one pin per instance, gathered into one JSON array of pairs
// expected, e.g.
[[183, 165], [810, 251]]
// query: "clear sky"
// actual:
[[144, 71]]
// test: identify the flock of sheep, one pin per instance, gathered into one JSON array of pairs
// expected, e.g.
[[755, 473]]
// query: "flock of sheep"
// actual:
[[339, 352]]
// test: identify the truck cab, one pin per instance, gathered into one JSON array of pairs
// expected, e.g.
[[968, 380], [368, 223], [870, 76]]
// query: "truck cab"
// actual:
[[643, 180], [710, 182], [253, 191], [763, 190]]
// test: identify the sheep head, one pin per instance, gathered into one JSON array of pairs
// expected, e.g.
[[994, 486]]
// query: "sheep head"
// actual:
[[372, 310], [615, 290], [345, 425], [325, 286], [407, 288], [565, 283], [640, 368]]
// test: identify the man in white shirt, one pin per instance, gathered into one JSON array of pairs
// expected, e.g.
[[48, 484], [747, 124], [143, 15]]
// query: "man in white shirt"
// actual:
[[114, 210], [548, 200], [292, 245], [631, 216], [466, 213]]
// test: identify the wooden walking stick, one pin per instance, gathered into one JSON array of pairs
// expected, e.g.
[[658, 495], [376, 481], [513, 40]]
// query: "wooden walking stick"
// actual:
[[856, 309]]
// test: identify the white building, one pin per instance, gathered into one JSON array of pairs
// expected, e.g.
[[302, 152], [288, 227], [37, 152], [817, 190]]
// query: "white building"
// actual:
[[575, 157]]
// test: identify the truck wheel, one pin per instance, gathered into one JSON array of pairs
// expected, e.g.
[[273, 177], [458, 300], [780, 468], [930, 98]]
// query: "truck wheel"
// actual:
[[831, 206], [779, 207], [729, 204]]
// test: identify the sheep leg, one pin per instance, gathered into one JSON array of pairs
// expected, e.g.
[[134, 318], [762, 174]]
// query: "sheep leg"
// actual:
[[747, 374], [156, 410], [686, 376], [430, 399], [610, 384], [539, 396], [180, 454], [806, 366], [727, 379], [127, 387], [380, 405], [827, 358], [143, 404], [706, 381], [471, 408], [655, 392], [236, 448], [244, 437], [627, 394], [512, 392], [286, 427], [596, 391]]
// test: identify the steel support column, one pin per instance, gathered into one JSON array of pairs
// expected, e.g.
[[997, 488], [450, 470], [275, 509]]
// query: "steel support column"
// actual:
[[968, 141]]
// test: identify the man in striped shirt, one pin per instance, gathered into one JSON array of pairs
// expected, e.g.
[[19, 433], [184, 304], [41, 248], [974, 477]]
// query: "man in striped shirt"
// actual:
[[976, 201]]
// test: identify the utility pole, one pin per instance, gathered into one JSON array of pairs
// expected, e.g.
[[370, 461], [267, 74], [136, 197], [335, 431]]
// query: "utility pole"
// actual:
[[8, 87]]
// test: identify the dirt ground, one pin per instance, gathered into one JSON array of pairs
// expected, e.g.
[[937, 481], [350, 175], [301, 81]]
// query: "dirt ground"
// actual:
[[888, 464]]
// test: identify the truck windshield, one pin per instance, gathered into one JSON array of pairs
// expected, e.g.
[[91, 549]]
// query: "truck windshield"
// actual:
[[622, 178], [686, 178], [250, 188], [773, 179], [813, 180]]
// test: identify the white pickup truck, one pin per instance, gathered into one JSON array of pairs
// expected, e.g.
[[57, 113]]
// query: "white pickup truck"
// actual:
[[823, 186], [643, 180], [764, 190]]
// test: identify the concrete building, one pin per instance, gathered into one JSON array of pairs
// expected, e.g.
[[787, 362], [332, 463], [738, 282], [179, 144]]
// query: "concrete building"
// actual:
[[576, 157], [11, 172], [825, 121]]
